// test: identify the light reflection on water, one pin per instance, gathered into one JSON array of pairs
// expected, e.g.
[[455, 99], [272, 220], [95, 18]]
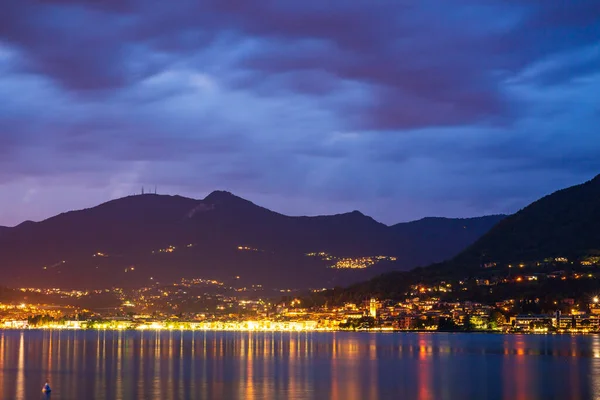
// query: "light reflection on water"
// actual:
[[188, 365]]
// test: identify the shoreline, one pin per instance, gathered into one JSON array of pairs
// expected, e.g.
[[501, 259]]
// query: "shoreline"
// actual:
[[370, 331]]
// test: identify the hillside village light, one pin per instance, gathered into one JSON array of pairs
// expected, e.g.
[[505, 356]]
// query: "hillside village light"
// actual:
[[595, 299]]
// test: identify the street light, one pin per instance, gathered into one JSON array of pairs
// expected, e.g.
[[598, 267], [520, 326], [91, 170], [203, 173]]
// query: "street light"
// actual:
[[596, 299]]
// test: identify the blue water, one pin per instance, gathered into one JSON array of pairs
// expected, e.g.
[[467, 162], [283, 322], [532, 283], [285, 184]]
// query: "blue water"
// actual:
[[212, 365]]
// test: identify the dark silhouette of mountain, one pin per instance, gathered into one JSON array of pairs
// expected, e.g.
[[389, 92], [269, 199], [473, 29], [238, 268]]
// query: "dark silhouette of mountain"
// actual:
[[441, 237], [130, 240], [562, 224]]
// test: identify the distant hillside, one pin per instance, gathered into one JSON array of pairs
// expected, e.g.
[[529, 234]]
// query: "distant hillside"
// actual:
[[441, 237], [128, 241], [561, 225]]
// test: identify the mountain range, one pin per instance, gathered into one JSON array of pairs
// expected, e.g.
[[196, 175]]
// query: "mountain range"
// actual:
[[143, 239], [562, 225]]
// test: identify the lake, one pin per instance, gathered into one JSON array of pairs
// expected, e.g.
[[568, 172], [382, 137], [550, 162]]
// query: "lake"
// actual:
[[240, 365]]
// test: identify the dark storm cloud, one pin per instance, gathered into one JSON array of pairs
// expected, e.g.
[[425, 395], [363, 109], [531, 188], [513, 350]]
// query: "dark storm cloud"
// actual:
[[71, 45], [425, 67], [8, 143], [388, 106]]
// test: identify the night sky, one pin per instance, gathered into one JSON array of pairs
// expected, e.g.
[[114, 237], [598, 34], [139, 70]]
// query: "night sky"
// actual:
[[401, 109]]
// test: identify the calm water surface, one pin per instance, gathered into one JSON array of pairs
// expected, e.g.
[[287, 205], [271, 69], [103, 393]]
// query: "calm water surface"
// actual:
[[204, 365]]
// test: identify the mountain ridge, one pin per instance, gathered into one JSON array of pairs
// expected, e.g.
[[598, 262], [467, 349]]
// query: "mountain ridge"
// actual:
[[560, 225], [223, 194], [209, 238]]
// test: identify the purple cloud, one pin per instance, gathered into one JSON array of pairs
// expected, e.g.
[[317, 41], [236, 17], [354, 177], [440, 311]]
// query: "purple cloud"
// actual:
[[398, 109]]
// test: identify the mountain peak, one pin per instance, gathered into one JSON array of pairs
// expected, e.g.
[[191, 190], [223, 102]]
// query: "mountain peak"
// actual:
[[218, 196], [360, 218], [25, 223], [357, 213], [226, 200]]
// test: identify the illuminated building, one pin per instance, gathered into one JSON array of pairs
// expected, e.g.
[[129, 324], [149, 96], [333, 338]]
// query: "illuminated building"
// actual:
[[373, 306]]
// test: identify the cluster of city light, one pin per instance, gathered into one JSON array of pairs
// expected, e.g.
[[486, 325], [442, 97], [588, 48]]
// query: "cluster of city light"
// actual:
[[56, 291], [169, 249], [411, 314], [250, 325], [360, 263], [246, 325], [587, 261], [16, 315], [424, 302], [351, 262], [199, 281], [591, 260], [322, 255], [247, 248]]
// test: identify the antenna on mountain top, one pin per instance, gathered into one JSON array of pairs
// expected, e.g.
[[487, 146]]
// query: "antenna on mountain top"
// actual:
[[142, 190], [155, 188]]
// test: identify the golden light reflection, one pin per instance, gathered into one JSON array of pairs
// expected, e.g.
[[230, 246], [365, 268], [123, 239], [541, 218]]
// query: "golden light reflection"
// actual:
[[292, 362], [170, 367], [517, 384], [181, 372], [156, 379], [267, 354], [193, 357], [250, 390], [595, 368], [373, 369], [425, 376], [119, 383], [256, 365], [50, 352], [142, 365], [574, 372], [59, 353], [2, 350], [20, 393], [97, 352], [346, 369], [71, 342]]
